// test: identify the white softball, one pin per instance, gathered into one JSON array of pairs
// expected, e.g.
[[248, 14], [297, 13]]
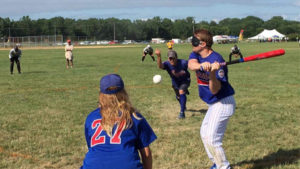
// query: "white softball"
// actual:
[[157, 79]]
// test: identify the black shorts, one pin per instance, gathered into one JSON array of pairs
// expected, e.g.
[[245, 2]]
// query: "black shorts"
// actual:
[[14, 59], [150, 53], [183, 86]]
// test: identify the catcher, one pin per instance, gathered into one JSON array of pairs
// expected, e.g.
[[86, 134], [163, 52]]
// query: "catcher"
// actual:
[[236, 52]]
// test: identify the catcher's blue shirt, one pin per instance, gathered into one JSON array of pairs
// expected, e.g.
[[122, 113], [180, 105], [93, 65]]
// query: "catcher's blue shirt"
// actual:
[[119, 151], [182, 65], [203, 79]]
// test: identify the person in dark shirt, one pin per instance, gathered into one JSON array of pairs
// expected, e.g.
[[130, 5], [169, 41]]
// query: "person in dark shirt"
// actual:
[[235, 50]]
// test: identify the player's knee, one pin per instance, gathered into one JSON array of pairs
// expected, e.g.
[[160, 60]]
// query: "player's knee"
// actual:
[[208, 138], [181, 92]]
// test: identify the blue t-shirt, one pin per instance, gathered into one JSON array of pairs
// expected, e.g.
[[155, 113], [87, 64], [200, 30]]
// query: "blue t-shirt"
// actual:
[[118, 151], [182, 65], [203, 79]]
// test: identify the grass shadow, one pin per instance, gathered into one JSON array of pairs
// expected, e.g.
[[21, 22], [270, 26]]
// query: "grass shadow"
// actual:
[[281, 157], [202, 111]]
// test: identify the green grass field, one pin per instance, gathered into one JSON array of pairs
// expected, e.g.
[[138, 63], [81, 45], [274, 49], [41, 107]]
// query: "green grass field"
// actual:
[[42, 111]]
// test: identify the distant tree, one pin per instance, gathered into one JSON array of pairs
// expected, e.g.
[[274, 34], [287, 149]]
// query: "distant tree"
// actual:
[[166, 28], [250, 25], [105, 29], [233, 25], [274, 22]]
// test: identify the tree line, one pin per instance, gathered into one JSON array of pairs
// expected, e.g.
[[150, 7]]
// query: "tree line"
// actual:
[[122, 29]]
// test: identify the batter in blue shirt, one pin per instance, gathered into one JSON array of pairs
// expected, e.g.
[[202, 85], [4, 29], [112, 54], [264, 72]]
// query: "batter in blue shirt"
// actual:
[[177, 69], [215, 90]]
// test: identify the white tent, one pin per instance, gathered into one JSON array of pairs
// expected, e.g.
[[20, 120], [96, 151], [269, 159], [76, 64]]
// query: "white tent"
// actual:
[[267, 34]]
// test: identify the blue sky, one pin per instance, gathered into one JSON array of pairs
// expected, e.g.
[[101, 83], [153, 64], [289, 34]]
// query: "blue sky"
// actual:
[[208, 10]]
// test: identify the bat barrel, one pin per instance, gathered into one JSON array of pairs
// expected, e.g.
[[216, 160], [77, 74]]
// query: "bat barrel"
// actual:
[[265, 55], [269, 54]]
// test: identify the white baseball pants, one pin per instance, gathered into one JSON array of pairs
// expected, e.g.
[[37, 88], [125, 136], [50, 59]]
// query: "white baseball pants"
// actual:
[[213, 128]]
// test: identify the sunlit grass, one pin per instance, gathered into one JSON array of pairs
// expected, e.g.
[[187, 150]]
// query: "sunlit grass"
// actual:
[[42, 111]]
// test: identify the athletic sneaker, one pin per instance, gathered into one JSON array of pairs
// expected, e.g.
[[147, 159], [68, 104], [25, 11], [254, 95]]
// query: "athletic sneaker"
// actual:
[[181, 115], [214, 166]]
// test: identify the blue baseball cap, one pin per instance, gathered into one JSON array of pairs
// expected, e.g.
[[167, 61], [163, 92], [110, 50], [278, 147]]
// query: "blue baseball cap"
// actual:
[[111, 81]]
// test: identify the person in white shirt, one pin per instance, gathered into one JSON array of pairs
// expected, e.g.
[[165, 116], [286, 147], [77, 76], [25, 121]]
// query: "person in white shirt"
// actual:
[[69, 55], [15, 56]]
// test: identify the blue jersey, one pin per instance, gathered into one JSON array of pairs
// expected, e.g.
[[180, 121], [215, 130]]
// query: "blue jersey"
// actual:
[[182, 65], [203, 79], [118, 151]]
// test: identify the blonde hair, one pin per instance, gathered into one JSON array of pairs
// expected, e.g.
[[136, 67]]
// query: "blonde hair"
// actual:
[[116, 109]]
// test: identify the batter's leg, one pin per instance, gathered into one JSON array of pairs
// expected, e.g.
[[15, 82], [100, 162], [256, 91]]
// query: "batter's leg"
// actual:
[[204, 132], [214, 127]]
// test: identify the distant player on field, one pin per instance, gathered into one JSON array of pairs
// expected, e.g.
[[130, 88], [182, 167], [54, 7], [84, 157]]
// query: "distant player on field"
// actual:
[[170, 45], [148, 50], [236, 52], [69, 54], [15, 56], [215, 90], [115, 132], [177, 69]]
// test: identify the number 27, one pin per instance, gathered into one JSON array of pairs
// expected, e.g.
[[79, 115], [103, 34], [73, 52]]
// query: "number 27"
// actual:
[[97, 139]]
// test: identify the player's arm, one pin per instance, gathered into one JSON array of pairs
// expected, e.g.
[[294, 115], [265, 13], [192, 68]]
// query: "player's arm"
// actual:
[[159, 63], [195, 65], [10, 54], [146, 157], [214, 83]]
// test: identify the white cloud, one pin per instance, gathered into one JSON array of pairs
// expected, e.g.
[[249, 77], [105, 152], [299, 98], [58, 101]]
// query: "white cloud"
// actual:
[[284, 16]]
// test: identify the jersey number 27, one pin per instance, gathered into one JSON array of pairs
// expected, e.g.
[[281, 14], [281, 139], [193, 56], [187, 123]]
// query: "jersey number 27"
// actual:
[[97, 139]]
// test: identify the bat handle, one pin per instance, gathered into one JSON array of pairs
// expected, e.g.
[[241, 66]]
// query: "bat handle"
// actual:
[[235, 61], [221, 64]]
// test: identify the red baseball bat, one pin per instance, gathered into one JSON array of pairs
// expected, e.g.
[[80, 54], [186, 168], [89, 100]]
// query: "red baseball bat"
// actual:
[[265, 55]]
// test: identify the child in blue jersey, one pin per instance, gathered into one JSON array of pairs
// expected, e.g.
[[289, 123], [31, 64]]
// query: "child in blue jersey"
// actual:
[[215, 90], [115, 132], [177, 69]]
